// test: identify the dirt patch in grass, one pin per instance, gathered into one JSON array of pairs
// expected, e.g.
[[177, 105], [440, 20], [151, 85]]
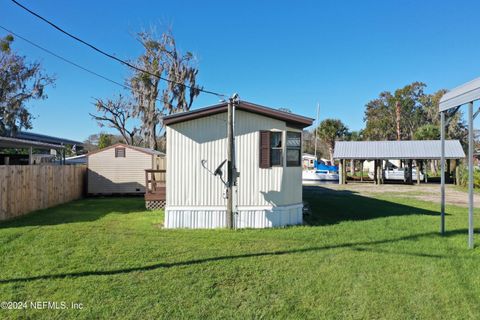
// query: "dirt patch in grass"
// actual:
[[425, 192]]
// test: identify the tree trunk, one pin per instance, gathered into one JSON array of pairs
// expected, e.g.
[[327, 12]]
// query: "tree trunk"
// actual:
[[132, 139], [330, 151], [447, 172], [433, 166], [417, 165], [397, 106]]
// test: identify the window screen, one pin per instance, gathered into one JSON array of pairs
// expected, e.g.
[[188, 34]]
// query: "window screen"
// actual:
[[276, 148], [294, 149]]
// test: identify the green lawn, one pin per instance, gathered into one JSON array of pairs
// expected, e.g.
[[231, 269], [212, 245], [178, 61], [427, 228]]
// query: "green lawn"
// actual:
[[358, 258]]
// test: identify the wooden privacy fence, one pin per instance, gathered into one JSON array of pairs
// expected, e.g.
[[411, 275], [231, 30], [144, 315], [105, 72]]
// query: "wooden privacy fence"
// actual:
[[24, 189]]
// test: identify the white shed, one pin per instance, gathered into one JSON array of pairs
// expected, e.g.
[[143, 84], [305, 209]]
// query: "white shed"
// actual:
[[120, 169], [268, 158]]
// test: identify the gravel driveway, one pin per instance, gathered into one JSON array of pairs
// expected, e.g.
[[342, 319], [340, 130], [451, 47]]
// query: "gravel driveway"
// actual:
[[427, 192]]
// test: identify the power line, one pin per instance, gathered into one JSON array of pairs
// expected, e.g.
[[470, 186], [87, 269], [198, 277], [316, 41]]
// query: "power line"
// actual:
[[112, 56], [124, 86], [65, 59]]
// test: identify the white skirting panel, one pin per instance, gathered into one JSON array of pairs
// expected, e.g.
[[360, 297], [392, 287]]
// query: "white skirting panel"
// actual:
[[247, 217]]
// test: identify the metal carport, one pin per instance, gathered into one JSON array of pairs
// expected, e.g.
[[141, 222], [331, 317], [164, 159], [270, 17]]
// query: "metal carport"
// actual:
[[395, 150], [467, 93], [9, 142]]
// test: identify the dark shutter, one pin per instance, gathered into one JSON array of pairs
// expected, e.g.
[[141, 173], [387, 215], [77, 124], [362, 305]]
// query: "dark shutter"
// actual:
[[264, 149]]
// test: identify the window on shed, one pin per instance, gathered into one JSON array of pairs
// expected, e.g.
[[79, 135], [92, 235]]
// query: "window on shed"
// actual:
[[294, 149], [119, 152]]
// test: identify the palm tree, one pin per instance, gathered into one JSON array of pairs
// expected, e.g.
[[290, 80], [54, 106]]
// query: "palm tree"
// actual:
[[329, 131], [429, 132]]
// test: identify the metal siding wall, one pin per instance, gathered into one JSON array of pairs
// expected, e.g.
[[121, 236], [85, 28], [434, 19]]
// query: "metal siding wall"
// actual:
[[210, 218], [107, 174], [261, 187], [189, 184]]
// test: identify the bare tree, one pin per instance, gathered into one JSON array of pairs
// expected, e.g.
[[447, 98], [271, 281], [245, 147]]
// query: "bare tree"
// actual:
[[117, 114], [162, 59]]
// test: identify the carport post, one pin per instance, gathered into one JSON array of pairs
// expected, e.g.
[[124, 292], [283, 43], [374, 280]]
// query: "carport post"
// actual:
[[361, 170], [457, 172], [340, 172], [410, 171], [417, 165], [470, 175], [442, 175]]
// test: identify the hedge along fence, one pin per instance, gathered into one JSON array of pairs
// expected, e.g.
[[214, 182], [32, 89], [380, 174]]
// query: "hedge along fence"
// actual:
[[24, 189]]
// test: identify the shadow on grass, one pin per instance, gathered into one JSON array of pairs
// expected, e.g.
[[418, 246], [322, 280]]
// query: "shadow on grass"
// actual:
[[329, 206], [357, 246], [84, 210]]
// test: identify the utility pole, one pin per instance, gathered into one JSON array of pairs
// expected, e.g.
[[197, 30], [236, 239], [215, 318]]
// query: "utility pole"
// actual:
[[231, 170], [230, 164]]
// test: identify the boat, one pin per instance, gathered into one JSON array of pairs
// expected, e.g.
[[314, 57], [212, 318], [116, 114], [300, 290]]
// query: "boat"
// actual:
[[314, 170], [320, 172]]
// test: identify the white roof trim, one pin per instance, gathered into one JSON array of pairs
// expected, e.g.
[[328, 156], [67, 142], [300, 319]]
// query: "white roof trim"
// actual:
[[460, 95]]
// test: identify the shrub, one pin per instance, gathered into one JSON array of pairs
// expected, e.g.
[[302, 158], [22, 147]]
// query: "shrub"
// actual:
[[463, 181]]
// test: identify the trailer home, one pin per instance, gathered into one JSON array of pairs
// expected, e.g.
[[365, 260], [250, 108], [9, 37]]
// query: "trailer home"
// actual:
[[268, 156], [120, 169]]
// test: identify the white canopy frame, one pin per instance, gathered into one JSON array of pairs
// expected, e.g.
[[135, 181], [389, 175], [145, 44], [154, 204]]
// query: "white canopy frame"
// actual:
[[467, 93]]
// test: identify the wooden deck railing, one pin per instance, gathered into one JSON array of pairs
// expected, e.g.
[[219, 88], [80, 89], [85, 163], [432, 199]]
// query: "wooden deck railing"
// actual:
[[155, 187]]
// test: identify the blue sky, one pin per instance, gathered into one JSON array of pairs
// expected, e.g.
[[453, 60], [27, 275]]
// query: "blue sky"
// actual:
[[277, 53]]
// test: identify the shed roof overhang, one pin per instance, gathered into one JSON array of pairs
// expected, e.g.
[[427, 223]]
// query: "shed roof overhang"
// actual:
[[291, 119], [460, 95], [123, 145], [8, 142], [397, 150]]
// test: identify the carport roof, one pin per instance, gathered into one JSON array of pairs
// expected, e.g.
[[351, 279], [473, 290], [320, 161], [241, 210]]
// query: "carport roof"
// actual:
[[401, 150], [460, 95], [8, 142]]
